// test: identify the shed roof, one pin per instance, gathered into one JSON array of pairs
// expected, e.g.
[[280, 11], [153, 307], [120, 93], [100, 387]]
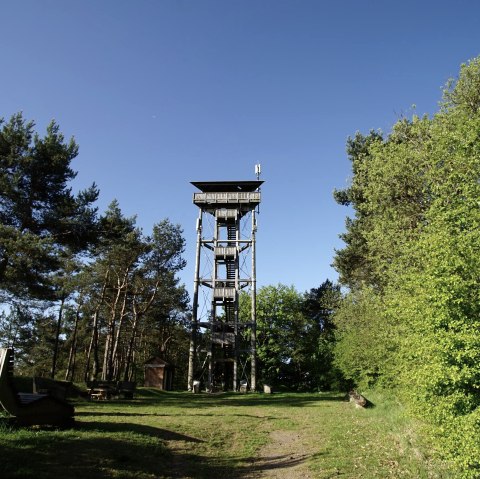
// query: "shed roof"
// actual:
[[157, 362]]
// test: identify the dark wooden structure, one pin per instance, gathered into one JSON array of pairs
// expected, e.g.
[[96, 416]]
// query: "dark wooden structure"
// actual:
[[159, 374], [51, 387], [126, 389], [28, 408], [222, 352]]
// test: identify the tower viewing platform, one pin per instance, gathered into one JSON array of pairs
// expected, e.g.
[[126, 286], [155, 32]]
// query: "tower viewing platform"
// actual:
[[242, 195]]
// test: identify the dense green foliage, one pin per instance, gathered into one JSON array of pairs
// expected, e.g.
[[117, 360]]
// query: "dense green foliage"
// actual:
[[295, 336], [41, 221], [412, 316]]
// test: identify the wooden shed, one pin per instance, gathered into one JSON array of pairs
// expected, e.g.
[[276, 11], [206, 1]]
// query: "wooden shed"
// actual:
[[159, 374]]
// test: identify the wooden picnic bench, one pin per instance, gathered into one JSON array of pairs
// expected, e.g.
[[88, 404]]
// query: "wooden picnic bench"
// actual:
[[103, 390], [126, 389], [29, 408]]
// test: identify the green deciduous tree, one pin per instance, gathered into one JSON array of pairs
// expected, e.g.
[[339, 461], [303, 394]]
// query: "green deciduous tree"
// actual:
[[278, 318], [295, 335], [412, 322]]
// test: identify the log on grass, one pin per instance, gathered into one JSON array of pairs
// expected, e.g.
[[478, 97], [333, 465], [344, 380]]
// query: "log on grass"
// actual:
[[357, 398]]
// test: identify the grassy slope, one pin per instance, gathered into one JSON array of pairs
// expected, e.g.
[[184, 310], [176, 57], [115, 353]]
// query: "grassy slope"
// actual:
[[166, 435]]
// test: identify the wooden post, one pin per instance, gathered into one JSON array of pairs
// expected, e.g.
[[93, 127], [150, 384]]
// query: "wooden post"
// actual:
[[193, 334], [253, 336], [236, 346]]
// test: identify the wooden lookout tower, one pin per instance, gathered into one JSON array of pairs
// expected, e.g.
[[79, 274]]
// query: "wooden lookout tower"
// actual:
[[223, 340]]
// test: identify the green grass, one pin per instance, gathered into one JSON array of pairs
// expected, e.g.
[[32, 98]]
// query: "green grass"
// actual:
[[175, 435]]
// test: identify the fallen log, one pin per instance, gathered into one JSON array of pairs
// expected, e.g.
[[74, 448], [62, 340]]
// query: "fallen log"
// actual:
[[357, 398]]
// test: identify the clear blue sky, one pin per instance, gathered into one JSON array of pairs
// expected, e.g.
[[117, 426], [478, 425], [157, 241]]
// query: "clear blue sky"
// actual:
[[160, 93]]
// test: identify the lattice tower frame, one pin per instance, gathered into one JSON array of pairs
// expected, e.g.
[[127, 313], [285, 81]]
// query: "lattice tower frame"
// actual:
[[223, 342]]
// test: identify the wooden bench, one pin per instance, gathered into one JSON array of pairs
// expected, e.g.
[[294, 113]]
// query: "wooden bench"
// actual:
[[29, 408], [126, 389], [99, 394], [58, 389]]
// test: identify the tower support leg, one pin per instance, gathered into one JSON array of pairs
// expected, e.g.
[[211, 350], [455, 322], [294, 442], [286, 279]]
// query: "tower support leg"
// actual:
[[193, 335]]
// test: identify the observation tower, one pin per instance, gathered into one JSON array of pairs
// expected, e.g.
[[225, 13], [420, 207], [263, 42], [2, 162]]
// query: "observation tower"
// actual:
[[222, 352]]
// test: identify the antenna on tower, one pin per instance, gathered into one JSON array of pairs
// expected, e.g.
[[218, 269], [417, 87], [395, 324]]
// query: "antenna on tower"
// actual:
[[258, 170]]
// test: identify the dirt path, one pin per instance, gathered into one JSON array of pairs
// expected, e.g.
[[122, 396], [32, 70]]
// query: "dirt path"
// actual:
[[284, 457]]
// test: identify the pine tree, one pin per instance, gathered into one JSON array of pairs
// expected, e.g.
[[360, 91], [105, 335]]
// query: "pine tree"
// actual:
[[40, 217]]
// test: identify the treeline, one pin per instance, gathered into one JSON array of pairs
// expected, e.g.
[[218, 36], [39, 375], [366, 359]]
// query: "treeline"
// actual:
[[296, 337], [411, 318], [87, 295], [83, 295]]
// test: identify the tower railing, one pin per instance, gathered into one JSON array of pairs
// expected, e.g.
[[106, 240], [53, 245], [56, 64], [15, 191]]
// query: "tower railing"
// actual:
[[229, 197]]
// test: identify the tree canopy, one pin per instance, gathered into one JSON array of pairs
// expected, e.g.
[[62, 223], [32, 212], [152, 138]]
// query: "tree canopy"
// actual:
[[295, 336], [411, 318], [40, 217]]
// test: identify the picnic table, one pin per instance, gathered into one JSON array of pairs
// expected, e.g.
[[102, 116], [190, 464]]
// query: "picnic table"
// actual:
[[99, 393], [103, 390]]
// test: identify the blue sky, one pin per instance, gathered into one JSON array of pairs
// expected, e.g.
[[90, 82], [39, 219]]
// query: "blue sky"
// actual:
[[161, 93]]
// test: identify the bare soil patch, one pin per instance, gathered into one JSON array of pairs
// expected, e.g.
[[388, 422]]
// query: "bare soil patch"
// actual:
[[284, 457]]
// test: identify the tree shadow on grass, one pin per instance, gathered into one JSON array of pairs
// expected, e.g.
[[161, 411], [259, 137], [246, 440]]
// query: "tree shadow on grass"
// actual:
[[272, 463], [133, 414], [183, 464], [122, 450], [101, 450], [198, 467], [119, 414], [154, 432], [205, 400]]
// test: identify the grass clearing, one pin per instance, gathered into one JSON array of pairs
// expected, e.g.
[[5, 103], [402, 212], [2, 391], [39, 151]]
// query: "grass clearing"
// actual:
[[181, 435]]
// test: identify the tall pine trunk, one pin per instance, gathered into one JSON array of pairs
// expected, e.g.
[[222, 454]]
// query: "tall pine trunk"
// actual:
[[116, 360], [131, 343], [93, 346], [107, 370], [57, 336], [70, 372]]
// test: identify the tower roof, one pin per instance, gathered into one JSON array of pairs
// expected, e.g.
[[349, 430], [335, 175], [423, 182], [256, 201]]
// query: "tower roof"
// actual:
[[226, 186]]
